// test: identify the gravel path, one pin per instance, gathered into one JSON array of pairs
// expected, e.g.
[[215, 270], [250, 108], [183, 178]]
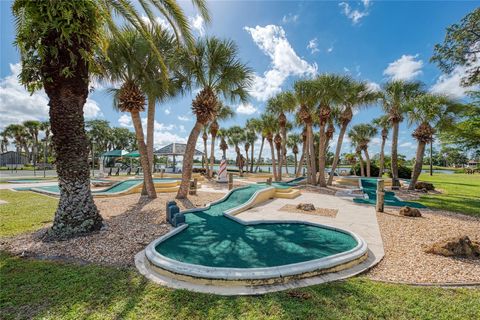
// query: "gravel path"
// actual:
[[405, 240], [132, 222]]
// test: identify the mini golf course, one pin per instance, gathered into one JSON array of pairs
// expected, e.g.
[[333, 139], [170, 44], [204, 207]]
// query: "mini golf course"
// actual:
[[369, 188], [216, 246]]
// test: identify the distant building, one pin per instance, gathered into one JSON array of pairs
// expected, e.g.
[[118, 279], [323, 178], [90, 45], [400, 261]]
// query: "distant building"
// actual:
[[473, 163], [12, 159]]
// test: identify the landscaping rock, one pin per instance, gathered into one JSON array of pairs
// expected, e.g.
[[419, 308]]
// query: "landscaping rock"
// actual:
[[424, 185], [306, 206], [456, 247], [410, 212]]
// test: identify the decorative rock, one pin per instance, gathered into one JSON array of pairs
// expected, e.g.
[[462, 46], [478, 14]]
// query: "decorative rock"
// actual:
[[456, 247], [410, 212], [424, 185], [306, 206]]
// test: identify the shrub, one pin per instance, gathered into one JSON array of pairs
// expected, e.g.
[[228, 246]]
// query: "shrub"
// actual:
[[374, 170], [403, 172]]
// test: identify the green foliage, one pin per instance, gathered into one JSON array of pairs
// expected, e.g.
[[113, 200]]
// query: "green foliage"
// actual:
[[44, 28], [460, 48], [374, 170], [466, 133], [403, 172]]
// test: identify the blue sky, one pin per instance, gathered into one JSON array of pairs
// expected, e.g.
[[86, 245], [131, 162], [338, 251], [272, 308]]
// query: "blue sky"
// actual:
[[283, 41]]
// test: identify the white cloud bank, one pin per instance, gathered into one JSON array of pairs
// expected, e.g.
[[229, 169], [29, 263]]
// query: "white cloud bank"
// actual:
[[451, 84], [313, 46], [18, 105], [273, 42], [246, 108], [406, 68]]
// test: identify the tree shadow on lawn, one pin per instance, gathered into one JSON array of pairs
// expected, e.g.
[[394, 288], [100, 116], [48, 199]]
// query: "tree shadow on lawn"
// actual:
[[37, 289]]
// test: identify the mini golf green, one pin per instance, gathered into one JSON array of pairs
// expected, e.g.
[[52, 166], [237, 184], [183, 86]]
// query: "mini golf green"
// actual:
[[214, 240], [369, 187]]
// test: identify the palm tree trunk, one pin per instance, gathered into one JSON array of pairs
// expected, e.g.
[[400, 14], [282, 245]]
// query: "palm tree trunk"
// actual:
[[149, 187], [295, 156], [76, 213], [341, 134], [279, 157], [150, 130], [417, 168], [274, 167], [251, 158], [321, 157], [260, 154], [205, 157], [382, 158], [360, 159], [302, 160], [246, 160], [188, 160], [212, 156], [367, 157], [311, 156], [395, 150]]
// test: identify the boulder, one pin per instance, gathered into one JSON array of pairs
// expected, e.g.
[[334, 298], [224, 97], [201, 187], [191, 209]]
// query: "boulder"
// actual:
[[456, 247], [410, 212], [424, 185], [306, 206]]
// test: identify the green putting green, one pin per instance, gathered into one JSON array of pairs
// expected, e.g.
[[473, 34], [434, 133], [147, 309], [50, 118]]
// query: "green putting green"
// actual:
[[214, 240], [369, 187]]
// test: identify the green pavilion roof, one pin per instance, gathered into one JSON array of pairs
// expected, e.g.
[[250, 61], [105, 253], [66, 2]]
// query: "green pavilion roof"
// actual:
[[115, 153], [133, 154]]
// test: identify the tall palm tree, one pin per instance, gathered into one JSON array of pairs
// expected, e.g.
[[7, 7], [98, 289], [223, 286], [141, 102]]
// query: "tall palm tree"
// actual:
[[205, 151], [429, 112], [215, 69], [396, 94], [279, 105], [124, 64], [278, 142], [223, 134], [33, 128], [306, 97], [17, 132], [253, 126], [293, 140], [384, 125], [260, 128], [236, 136], [270, 124], [302, 157], [223, 112], [329, 93], [355, 95], [57, 41], [250, 139], [361, 134], [4, 142]]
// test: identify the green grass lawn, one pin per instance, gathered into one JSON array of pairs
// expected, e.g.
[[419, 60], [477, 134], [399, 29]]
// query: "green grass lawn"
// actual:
[[24, 211], [51, 290], [461, 193]]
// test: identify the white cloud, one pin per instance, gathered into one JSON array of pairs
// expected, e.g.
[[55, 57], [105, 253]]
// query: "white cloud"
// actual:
[[160, 21], [246, 108], [272, 40], [330, 49], [405, 68], [18, 105], [290, 18], [410, 145], [198, 24], [183, 118], [167, 110], [355, 14], [373, 86], [451, 84], [313, 46], [125, 121], [346, 69]]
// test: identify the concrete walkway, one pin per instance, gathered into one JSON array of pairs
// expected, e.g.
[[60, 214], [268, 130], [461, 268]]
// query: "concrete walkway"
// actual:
[[357, 218]]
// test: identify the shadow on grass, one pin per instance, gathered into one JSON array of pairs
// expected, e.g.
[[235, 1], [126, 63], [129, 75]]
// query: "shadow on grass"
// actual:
[[39, 289]]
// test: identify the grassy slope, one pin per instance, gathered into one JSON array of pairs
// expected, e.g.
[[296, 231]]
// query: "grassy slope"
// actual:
[[49, 290], [24, 211], [461, 193]]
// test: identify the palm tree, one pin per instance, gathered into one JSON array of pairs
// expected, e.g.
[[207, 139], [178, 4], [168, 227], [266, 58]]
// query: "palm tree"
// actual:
[[279, 105], [292, 142], [270, 125], [306, 97], [224, 112], [361, 134], [259, 125], [236, 136], [223, 134], [205, 153], [329, 92], [277, 140], [4, 142], [429, 112], [253, 126], [33, 128], [302, 157], [124, 64], [396, 94], [216, 70], [57, 42], [354, 96], [250, 138], [18, 133], [383, 124]]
